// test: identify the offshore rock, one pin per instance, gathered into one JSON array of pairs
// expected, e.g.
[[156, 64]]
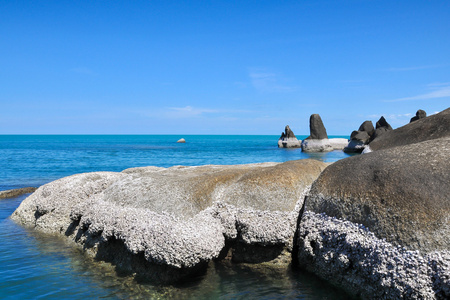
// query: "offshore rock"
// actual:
[[316, 128], [16, 192], [425, 129], [288, 139], [164, 224], [401, 193], [420, 114], [182, 140], [351, 257]]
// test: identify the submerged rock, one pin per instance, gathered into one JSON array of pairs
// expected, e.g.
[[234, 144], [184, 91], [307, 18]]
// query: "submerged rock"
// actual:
[[166, 224], [288, 139]]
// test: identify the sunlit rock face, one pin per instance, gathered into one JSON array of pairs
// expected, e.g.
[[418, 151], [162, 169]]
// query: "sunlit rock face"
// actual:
[[167, 223], [377, 225]]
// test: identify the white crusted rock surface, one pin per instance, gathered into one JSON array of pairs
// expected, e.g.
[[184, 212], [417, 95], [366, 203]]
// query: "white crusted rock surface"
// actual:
[[350, 256], [165, 223]]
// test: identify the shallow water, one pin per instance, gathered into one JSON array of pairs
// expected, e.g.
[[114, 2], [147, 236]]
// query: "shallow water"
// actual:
[[38, 266]]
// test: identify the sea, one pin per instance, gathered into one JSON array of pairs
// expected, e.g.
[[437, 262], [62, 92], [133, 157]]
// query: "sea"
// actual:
[[37, 266]]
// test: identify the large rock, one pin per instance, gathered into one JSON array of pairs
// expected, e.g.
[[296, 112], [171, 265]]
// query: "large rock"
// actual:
[[316, 128], [166, 224], [429, 128], [401, 194], [377, 225], [288, 139]]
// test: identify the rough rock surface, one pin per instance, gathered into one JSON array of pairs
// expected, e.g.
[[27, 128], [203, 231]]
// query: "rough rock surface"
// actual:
[[316, 128], [349, 256], [401, 194], [420, 114], [288, 139], [165, 224], [429, 128], [16, 192]]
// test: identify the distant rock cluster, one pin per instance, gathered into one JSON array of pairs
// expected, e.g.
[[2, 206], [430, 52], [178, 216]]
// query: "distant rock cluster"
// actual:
[[317, 141], [361, 138]]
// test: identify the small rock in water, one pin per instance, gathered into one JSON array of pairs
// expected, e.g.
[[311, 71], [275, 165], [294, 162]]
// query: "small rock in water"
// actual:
[[182, 140]]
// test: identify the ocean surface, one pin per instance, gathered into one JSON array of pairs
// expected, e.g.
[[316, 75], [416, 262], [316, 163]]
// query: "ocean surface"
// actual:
[[36, 266]]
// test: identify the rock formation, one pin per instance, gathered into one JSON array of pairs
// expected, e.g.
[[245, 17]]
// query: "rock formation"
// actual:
[[420, 114], [166, 224], [16, 192], [288, 139], [318, 140], [382, 126], [360, 138], [385, 191], [316, 128], [377, 225], [429, 128], [182, 140]]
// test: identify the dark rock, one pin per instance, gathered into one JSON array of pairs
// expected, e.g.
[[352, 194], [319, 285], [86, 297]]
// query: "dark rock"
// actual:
[[316, 128], [420, 114], [432, 127], [288, 132], [401, 193], [362, 136], [382, 123], [367, 126]]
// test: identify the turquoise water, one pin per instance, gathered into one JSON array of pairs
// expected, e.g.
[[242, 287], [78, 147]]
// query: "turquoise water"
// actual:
[[34, 266]]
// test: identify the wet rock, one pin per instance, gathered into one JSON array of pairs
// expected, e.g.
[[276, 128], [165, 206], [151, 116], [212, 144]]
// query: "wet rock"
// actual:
[[288, 139], [168, 223], [420, 114]]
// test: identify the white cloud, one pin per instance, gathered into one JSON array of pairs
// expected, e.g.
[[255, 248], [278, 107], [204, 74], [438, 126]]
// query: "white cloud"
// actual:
[[264, 81], [439, 92]]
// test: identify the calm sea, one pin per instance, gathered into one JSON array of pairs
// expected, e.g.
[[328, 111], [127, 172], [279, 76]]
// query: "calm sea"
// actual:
[[34, 266]]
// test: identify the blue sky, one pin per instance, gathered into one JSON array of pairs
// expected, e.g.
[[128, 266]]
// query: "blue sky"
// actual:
[[219, 67]]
